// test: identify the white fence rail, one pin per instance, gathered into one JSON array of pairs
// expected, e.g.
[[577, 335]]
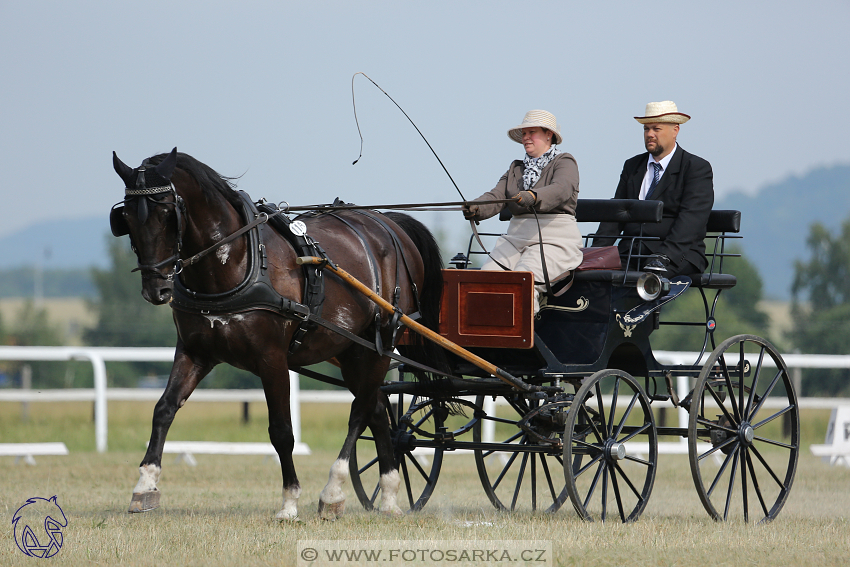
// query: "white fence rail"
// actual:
[[100, 394]]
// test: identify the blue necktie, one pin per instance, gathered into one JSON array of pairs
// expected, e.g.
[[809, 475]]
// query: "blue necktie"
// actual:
[[655, 179]]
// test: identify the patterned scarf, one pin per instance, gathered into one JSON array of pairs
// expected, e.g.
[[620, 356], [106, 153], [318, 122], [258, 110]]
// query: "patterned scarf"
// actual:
[[533, 167]]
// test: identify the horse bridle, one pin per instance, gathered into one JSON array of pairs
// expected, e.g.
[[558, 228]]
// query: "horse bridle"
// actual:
[[144, 194]]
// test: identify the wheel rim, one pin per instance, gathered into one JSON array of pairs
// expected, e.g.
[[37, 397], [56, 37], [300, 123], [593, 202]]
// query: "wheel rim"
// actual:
[[744, 430], [418, 470], [613, 450], [524, 476]]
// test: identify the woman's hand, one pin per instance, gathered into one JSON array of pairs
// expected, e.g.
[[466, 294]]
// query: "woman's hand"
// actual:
[[526, 199], [470, 212]]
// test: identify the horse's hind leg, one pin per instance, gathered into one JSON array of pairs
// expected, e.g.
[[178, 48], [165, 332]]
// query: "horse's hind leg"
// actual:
[[364, 375], [185, 376]]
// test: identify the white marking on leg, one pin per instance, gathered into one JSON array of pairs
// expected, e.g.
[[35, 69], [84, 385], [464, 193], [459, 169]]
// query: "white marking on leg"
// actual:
[[390, 484], [290, 503], [332, 492], [148, 477]]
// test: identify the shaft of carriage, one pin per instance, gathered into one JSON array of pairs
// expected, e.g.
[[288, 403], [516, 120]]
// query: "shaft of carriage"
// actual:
[[417, 327]]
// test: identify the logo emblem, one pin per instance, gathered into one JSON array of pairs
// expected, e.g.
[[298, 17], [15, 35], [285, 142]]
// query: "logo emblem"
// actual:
[[38, 527]]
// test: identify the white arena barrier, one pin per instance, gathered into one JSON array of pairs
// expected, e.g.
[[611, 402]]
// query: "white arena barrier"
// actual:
[[27, 451], [836, 450]]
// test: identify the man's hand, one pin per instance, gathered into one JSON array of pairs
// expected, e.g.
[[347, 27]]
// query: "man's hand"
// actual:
[[658, 263], [526, 199], [470, 212]]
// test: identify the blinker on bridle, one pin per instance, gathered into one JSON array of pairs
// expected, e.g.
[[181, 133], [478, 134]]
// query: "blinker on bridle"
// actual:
[[143, 194]]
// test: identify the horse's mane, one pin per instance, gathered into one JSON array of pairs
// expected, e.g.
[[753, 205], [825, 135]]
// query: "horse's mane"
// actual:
[[207, 177]]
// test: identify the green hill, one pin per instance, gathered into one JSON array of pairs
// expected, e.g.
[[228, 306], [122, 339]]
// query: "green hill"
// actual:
[[775, 221]]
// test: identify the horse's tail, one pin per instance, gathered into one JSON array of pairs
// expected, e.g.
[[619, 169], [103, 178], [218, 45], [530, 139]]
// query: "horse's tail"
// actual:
[[431, 294]]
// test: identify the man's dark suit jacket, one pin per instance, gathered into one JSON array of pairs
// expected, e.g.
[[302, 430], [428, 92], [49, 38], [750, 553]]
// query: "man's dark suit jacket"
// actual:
[[687, 190]]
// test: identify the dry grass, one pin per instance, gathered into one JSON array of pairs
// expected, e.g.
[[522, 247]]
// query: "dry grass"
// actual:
[[221, 512]]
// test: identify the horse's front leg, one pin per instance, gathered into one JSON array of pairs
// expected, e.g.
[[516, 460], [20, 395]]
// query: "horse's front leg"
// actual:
[[275, 377], [185, 376]]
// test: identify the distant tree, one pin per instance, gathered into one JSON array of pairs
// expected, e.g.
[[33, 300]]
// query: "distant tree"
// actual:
[[821, 306], [737, 310], [124, 318], [31, 327]]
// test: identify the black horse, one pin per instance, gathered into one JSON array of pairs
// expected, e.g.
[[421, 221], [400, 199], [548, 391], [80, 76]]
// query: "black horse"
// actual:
[[244, 301]]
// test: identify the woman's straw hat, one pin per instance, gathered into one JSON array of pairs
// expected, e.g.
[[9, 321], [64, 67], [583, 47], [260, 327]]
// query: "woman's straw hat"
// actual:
[[539, 119], [664, 111]]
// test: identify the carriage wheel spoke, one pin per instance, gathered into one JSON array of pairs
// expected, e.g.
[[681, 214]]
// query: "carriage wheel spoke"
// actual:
[[744, 483], [616, 488], [637, 460], [416, 465], [604, 491], [508, 440], [731, 484], [766, 466], [774, 416], [407, 482], [592, 462], [756, 374], [593, 484], [727, 378], [719, 474], [714, 425], [505, 470], [773, 442], [713, 449], [766, 394], [756, 484], [635, 433], [625, 416], [519, 478], [610, 426], [367, 466], [629, 482], [548, 478], [602, 419], [719, 403], [591, 425]]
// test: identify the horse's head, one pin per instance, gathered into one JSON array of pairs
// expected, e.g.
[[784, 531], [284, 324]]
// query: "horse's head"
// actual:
[[153, 214]]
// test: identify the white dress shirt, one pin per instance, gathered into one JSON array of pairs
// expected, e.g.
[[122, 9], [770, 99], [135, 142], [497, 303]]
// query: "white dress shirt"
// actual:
[[650, 172]]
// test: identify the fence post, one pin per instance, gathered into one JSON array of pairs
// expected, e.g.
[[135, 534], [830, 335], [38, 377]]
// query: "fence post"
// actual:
[[26, 384]]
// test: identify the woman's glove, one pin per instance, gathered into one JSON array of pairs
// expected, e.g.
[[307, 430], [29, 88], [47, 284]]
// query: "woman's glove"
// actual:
[[470, 212], [526, 199]]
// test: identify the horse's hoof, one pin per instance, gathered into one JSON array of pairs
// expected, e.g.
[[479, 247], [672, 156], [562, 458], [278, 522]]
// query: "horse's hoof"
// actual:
[[144, 502], [286, 516], [331, 511], [394, 512]]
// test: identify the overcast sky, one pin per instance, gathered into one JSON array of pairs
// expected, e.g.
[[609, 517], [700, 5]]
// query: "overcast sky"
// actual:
[[263, 88]]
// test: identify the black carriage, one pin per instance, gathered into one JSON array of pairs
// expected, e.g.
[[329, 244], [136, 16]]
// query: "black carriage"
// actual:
[[587, 431]]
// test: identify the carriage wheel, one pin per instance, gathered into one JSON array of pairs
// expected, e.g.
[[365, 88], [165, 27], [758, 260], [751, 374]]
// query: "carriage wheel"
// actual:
[[616, 448], [514, 478], [418, 468], [743, 389]]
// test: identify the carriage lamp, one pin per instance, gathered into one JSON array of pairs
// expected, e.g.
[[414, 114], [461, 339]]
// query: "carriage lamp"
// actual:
[[650, 286], [460, 261]]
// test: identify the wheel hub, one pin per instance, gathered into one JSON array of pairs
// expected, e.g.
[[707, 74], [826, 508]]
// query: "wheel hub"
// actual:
[[615, 451], [746, 433]]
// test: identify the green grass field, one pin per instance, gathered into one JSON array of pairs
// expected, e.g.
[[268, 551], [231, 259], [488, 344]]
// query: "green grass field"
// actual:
[[221, 512]]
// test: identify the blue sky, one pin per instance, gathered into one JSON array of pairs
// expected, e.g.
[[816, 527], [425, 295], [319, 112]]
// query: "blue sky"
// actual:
[[263, 89]]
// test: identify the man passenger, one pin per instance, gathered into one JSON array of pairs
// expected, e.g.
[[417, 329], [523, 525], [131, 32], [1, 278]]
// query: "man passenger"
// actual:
[[683, 181]]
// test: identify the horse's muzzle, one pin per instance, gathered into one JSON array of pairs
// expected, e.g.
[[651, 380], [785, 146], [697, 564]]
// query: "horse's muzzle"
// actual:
[[157, 292]]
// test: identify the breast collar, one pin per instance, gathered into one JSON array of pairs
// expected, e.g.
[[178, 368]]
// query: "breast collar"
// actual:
[[256, 290]]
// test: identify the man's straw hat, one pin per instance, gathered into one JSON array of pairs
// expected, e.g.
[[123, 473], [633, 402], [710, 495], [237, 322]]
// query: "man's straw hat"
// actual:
[[664, 111], [539, 119]]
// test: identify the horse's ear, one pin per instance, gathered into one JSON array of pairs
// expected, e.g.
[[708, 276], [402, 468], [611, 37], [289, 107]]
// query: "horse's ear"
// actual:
[[166, 167], [123, 170]]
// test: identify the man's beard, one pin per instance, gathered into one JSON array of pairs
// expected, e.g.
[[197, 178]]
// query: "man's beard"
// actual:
[[657, 151]]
